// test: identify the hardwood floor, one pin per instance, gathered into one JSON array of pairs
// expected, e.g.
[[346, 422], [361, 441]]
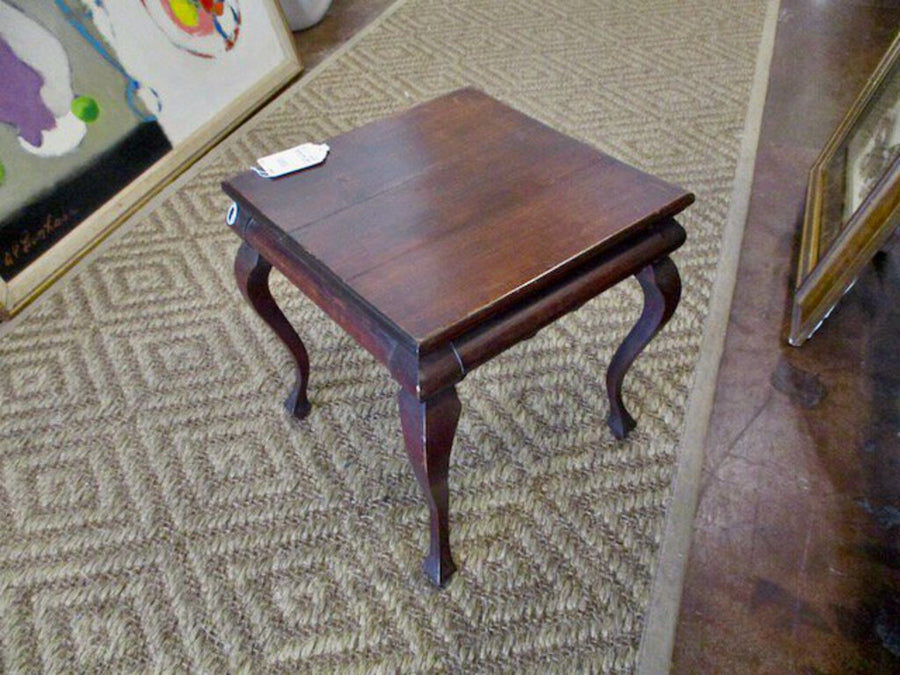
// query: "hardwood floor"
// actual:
[[795, 564], [343, 20], [795, 558]]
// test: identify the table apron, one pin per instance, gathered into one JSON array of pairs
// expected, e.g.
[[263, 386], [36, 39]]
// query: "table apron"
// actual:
[[332, 298], [444, 367], [425, 374]]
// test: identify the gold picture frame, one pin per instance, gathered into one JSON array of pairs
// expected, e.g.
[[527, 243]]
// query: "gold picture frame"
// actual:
[[852, 199], [205, 85]]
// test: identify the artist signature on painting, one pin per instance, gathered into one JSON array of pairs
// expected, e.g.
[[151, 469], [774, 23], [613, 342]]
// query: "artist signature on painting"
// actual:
[[29, 241]]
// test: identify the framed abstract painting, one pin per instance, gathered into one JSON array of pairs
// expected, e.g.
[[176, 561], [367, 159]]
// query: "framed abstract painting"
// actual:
[[852, 199], [103, 102]]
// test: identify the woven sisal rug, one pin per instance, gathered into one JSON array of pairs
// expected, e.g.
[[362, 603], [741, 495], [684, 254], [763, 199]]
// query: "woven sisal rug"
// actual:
[[161, 513]]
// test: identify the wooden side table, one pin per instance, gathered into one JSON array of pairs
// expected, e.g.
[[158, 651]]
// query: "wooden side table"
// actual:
[[442, 236]]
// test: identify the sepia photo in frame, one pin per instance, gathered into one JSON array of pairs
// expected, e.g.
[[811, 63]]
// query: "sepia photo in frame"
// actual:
[[852, 199]]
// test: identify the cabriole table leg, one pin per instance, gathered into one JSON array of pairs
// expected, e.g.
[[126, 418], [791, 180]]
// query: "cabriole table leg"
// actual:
[[252, 273], [662, 290], [428, 428]]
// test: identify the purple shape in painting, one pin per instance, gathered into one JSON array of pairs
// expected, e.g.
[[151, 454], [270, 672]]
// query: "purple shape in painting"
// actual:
[[20, 97]]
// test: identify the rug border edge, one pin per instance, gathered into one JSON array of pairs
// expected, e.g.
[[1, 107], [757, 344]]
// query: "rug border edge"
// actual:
[[658, 637]]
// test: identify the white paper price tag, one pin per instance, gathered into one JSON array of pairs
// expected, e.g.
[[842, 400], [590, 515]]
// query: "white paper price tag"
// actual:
[[287, 161]]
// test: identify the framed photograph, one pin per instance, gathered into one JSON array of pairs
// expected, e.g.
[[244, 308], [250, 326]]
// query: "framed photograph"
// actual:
[[852, 200], [103, 103]]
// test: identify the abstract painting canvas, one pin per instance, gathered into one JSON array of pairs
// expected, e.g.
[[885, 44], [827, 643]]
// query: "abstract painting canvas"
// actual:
[[103, 101]]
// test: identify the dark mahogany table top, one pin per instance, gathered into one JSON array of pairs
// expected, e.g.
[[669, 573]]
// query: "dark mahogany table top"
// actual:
[[443, 216]]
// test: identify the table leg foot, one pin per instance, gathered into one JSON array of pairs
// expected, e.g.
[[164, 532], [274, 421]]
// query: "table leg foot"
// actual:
[[428, 428], [662, 291], [252, 273]]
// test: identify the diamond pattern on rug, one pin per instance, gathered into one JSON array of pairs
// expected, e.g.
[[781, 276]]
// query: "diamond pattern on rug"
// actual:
[[160, 511]]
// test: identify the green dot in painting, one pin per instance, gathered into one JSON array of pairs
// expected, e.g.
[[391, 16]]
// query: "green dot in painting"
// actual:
[[86, 109], [2, 173]]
